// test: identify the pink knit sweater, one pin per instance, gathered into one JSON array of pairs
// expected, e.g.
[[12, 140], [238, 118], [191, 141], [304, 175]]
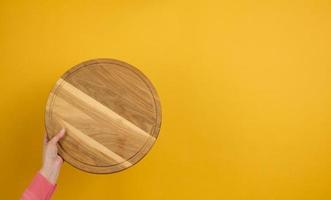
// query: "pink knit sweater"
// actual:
[[39, 189]]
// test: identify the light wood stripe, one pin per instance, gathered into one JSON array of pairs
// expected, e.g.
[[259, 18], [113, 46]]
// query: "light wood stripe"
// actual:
[[91, 143], [101, 108]]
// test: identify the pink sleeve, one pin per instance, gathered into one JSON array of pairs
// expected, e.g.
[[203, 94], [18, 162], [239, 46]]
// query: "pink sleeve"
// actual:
[[39, 189]]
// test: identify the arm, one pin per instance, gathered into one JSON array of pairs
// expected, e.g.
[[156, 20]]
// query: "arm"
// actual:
[[44, 182]]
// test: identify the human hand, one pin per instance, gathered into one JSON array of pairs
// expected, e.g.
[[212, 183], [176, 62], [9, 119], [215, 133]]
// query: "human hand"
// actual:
[[52, 162]]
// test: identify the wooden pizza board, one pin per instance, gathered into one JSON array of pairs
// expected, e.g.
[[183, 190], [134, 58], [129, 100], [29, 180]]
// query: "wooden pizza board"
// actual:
[[111, 113]]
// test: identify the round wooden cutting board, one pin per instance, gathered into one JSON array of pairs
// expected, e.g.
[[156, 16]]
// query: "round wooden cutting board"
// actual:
[[111, 113]]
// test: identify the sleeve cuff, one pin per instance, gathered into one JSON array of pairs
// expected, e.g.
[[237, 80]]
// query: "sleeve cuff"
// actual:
[[41, 187]]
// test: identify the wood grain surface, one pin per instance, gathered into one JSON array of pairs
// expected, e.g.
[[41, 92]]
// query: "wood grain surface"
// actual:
[[111, 113]]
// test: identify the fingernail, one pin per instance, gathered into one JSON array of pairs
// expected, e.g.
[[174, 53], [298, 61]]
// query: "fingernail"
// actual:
[[63, 130]]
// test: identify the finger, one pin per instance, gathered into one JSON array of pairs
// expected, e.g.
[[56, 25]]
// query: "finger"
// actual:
[[59, 160], [45, 139], [58, 136], [44, 144]]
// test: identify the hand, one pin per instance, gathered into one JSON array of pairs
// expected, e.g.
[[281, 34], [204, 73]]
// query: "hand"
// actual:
[[52, 162]]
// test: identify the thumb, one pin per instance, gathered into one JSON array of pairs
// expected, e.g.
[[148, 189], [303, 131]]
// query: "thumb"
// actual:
[[58, 136]]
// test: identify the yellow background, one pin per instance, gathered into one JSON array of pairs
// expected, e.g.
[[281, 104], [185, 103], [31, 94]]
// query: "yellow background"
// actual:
[[244, 87]]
